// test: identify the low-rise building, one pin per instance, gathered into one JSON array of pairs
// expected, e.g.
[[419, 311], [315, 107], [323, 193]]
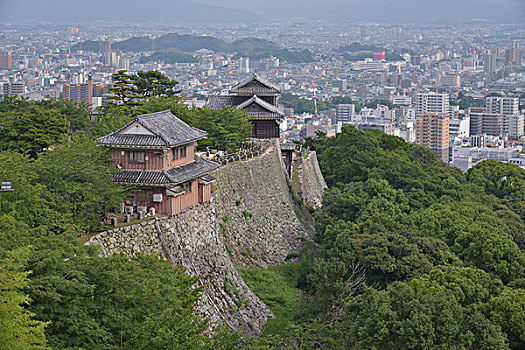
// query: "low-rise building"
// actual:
[[155, 153]]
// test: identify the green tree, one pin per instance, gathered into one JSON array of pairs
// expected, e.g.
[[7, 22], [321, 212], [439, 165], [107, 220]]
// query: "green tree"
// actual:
[[29, 202], [78, 177], [508, 310], [78, 115], [19, 329], [154, 83], [403, 317], [492, 253], [468, 285], [125, 91], [32, 131]]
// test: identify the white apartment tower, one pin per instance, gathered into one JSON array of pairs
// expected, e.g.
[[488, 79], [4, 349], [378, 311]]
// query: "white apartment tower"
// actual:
[[343, 113], [513, 125], [508, 109], [244, 65], [432, 103], [502, 105]]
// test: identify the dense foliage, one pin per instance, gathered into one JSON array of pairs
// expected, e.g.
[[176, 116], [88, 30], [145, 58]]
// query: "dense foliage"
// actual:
[[57, 293], [465, 101], [169, 56], [172, 48], [412, 254]]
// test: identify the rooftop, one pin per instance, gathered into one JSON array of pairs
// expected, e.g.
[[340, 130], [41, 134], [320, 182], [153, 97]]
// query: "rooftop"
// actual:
[[173, 176], [153, 130]]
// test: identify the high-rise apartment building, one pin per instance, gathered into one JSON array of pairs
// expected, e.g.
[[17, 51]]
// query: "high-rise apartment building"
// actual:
[[489, 63], [6, 61], [513, 53], [78, 93], [513, 126], [432, 103], [343, 113], [14, 88], [244, 65], [483, 123], [104, 46], [502, 105], [432, 131], [100, 90]]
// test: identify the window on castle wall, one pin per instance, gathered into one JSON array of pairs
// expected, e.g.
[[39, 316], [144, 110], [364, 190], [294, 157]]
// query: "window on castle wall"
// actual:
[[144, 195], [136, 156], [187, 186], [175, 152], [183, 152]]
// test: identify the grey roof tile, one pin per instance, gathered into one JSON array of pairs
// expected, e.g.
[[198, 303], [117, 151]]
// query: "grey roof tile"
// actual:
[[168, 129], [248, 86], [173, 176], [217, 101]]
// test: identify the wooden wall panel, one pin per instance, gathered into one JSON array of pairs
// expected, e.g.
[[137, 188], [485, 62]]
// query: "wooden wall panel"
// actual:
[[172, 163], [154, 162]]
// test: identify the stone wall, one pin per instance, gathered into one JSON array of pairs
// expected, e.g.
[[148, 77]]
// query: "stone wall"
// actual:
[[251, 221], [192, 239], [311, 181], [259, 220]]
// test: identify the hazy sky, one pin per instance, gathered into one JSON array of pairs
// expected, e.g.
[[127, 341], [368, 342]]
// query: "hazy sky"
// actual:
[[181, 11]]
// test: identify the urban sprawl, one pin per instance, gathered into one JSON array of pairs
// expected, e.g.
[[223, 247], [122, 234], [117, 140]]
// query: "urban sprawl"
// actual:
[[455, 89]]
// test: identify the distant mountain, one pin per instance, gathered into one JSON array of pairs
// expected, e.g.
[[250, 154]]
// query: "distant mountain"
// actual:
[[169, 56], [170, 11], [186, 43], [247, 47]]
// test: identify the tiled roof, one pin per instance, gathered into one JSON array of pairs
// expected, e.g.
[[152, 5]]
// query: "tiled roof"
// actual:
[[168, 130], [254, 99], [131, 140], [267, 87], [173, 176], [271, 112], [217, 101], [189, 171]]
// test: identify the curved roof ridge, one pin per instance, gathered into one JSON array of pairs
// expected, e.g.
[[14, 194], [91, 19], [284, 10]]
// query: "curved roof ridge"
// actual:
[[164, 125], [258, 78]]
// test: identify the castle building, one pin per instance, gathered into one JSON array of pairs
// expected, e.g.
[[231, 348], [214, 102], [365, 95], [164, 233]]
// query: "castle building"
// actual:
[[155, 154], [259, 98]]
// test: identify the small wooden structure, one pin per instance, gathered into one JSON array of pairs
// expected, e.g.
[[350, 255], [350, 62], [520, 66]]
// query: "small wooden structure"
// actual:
[[156, 154]]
